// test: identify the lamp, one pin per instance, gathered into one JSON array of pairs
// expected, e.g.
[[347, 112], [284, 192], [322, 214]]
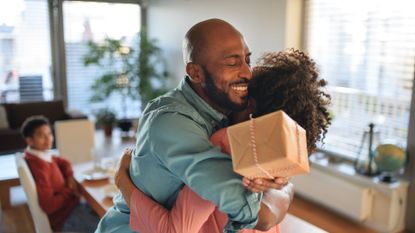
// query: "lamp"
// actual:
[[364, 163]]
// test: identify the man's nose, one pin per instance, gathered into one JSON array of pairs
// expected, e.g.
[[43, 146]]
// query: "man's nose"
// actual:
[[246, 71]]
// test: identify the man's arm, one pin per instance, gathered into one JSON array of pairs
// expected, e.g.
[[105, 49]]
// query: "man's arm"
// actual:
[[184, 148]]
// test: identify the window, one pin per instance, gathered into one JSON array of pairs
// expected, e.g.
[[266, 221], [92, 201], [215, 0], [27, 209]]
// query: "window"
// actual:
[[25, 57], [366, 51], [112, 20]]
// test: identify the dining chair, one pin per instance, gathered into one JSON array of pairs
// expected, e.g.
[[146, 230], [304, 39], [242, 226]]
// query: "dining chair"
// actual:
[[75, 140], [40, 219]]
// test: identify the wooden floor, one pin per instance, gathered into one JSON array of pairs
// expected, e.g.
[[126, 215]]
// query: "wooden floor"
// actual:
[[18, 219], [324, 218]]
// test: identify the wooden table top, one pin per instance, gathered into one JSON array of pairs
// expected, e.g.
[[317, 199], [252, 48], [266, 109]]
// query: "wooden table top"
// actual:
[[8, 169], [94, 191]]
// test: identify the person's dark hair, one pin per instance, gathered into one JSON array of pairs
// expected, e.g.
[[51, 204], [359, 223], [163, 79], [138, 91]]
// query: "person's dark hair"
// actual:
[[30, 125], [289, 81]]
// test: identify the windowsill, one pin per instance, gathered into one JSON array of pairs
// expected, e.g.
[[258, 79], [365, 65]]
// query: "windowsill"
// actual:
[[343, 168]]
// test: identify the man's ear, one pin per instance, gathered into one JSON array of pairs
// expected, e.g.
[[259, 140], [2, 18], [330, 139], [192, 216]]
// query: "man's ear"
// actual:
[[195, 73]]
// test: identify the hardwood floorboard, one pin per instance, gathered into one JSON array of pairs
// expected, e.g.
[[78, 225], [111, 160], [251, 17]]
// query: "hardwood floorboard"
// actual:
[[324, 218], [16, 219]]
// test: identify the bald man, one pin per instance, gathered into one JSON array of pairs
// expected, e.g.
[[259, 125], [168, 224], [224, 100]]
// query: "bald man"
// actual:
[[173, 147]]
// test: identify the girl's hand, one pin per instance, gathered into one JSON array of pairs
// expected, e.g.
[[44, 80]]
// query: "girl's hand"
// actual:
[[257, 185]]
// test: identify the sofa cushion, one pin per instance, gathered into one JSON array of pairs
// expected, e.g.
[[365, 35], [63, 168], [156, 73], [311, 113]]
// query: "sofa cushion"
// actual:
[[11, 140], [17, 113], [4, 123]]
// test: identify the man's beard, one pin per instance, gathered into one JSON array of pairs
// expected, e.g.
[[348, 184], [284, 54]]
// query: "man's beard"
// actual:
[[220, 97]]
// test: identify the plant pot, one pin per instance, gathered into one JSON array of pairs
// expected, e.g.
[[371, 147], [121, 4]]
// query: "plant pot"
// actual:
[[125, 124], [107, 130]]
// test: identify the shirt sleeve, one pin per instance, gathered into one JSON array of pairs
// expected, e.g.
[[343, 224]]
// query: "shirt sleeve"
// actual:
[[220, 138], [188, 214], [184, 148], [64, 166]]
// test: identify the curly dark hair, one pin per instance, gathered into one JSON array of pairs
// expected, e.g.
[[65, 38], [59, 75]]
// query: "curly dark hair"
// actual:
[[289, 81]]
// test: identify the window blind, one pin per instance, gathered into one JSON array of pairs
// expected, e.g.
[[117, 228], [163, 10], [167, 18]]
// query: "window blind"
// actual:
[[366, 52], [108, 19], [25, 57]]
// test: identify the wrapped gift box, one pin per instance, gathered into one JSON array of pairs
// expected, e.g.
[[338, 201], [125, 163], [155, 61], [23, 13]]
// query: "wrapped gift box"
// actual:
[[280, 144]]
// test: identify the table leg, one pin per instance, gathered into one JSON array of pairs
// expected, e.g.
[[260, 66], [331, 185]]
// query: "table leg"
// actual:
[[5, 197], [5, 192]]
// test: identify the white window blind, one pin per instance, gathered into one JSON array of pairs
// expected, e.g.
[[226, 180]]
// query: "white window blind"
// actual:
[[107, 19], [366, 52], [25, 57]]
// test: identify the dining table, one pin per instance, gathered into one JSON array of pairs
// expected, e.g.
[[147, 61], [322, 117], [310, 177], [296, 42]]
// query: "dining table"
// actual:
[[98, 192], [95, 177]]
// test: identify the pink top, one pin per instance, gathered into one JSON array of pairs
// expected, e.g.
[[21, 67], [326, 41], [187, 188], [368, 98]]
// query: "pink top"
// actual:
[[189, 214]]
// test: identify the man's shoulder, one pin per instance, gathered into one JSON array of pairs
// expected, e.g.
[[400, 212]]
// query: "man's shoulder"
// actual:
[[173, 104], [173, 100]]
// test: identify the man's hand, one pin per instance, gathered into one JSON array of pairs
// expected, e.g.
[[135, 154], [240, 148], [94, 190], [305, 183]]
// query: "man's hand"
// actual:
[[73, 185], [123, 166], [122, 177], [263, 184]]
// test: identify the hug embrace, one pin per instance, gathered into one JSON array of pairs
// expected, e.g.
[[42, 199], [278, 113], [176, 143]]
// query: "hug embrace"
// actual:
[[179, 177]]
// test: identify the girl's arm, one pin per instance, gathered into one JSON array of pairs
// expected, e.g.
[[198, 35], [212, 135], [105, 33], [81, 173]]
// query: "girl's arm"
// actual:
[[278, 193], [188, 214]]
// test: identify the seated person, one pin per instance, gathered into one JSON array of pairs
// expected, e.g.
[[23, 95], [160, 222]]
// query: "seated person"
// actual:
[[56, 187], [285, 81]]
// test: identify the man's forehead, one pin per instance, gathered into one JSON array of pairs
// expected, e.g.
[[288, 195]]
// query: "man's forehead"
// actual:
[[236, 50]]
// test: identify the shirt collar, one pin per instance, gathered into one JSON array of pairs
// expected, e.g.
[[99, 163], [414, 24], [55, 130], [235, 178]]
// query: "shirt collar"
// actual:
[[45, 155], [198, 103]]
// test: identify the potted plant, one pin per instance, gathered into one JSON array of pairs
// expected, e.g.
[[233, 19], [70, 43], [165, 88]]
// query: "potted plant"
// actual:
[[106, 119], [137, 72]]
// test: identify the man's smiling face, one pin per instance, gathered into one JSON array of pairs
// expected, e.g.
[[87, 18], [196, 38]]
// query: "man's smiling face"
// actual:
[[227, 73]]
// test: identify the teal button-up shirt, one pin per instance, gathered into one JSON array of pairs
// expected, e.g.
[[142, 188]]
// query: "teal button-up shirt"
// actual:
[[173, 149]]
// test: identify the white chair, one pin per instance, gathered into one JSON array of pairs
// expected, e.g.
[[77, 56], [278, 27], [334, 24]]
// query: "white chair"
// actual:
[[75, 139], [40, 219]]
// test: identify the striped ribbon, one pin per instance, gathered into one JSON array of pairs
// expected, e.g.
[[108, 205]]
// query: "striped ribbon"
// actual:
[[253, 146]]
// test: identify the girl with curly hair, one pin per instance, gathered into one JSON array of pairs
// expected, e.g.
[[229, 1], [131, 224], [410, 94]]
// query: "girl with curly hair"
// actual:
[[285, 81], [289, 81]]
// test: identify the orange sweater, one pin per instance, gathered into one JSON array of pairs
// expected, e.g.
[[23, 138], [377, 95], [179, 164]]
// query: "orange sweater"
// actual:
[[55, 198]]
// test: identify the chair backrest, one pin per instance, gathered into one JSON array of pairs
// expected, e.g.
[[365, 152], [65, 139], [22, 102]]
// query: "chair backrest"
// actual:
[[40, 219], [75, 139]]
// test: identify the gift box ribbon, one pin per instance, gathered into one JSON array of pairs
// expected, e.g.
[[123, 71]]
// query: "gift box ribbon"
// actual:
[[254, 151]]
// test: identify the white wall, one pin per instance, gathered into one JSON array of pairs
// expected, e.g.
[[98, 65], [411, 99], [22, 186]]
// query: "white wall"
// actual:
[[262, 22]]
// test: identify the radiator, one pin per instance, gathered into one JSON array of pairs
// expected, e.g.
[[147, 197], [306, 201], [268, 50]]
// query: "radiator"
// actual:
[[343, 196]]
